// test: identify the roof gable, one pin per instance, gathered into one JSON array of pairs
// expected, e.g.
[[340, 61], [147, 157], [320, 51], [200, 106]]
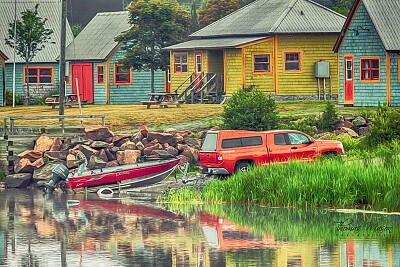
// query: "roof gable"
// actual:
[[50, 9], [96, 41], [384, 16], [275, 16]]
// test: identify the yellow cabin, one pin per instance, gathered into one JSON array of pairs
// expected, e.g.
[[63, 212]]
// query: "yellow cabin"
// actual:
[[281, 47]]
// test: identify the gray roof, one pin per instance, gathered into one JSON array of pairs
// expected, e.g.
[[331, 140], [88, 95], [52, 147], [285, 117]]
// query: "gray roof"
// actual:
[[3, 55], [214, 43], [265, 17], [96, 40], [50, 9], [385, 16]]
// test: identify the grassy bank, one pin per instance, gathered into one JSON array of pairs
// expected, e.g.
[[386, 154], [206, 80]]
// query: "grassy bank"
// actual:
[[126, 117], [329, 183]]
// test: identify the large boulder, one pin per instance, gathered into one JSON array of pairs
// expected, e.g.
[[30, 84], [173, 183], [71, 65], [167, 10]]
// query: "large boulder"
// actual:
[[43, 143], [57, 144], [143, 130], [56, 155], [99, 133], [110, 154], [348, 131], [99, 144], [172, 150], [191, 153], [161, 137], [19, 180], [88, 151], [137, 137], [103, 155], [45, 172], [96, 163], [128, 156], [147, 151], [25, 165], [119, 139], [359, 122], [128, 146], [71, 161], [32, 155]]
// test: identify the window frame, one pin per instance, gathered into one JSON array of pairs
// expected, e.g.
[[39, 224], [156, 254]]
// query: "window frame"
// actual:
[[300, 61], [129, 73], [371, 69], [100, 74], [254, 55], [180, 64], [38, 75]]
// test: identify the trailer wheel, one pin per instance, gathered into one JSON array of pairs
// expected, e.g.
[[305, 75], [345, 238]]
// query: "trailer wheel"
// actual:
[[242, 166]]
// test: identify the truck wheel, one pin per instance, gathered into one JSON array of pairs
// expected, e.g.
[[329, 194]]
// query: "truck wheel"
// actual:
[[242, 166]]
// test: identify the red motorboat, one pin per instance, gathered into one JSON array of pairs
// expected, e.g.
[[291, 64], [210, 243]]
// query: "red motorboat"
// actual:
[[123, 176]]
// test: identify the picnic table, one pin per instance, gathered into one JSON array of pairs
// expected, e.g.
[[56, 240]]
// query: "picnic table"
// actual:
[[69, 100], [163, 100]]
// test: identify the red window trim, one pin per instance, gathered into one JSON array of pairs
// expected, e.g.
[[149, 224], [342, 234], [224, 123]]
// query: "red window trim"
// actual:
[[121, 73], [180, 55], [292, 61], [38, 75], [370, 68], [262, 63], [100, 74]]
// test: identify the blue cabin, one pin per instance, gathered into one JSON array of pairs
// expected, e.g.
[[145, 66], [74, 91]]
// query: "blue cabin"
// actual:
[[3, 59], [94, 71], [44, 67], [368, 52]]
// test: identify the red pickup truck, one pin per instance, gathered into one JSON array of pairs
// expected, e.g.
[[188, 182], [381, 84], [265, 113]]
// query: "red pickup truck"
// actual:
[[227, 151]]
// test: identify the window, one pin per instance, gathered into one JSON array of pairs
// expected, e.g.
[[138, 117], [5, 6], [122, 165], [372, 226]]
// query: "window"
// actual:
[[349, 69], [39, 75], [370, 69], [180, 63], [100, 74], [261, 63], [292, 61], [298, 139], [240, 142], [122, 74], [279, 139], [210, 142]]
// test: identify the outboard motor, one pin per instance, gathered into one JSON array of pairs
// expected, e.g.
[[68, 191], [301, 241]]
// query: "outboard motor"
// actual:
[[59, 176]]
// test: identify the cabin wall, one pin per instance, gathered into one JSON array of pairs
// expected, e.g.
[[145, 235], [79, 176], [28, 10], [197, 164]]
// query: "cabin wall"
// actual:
[[215, 61], [364, 44], [139, 87], [36, 90], [394, 79], [313, 48], [2, 85], [100, 90], [263, 81], [233, 71]]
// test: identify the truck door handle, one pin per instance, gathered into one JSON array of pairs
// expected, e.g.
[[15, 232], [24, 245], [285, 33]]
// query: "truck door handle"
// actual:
[[293, 147]]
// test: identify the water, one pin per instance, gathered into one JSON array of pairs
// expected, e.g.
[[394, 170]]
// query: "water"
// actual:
[[71, 230]]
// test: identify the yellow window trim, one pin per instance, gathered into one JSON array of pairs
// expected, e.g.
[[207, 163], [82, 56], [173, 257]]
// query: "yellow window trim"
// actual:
[[38, 67], [115, 76], [370, 81], [261, 72], [300, 52]]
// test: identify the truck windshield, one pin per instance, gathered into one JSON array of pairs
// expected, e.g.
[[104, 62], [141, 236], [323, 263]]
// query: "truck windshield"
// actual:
[[210, 142]]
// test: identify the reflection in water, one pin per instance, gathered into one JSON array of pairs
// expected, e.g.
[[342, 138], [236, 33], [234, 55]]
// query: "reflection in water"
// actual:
[[69, 230]]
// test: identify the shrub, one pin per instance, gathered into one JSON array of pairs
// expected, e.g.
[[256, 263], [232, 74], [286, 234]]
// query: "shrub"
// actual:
[[304, 125], [329, 118], [250, 110], [19, 100], [385, 127]]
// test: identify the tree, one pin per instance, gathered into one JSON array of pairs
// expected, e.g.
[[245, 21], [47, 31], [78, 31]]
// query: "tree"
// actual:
[[154, 24], [31, 37], [250, 110], [216, 9]]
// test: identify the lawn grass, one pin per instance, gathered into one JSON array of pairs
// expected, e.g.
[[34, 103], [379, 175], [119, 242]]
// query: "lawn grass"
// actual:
[[127, 117]]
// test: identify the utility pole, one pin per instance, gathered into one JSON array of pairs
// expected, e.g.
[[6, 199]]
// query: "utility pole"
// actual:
[[62, 55]]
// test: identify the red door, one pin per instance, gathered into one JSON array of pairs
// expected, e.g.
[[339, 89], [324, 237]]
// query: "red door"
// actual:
[[198, 61], [349, 80], [83, 72]]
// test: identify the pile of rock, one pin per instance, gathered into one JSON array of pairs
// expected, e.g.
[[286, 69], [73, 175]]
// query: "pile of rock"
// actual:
[[102, 148]]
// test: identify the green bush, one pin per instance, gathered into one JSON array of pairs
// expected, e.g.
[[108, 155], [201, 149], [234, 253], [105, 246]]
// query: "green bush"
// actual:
[[329, 118], [250, 110], [385, 127], [19, 100], [304, 125]]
